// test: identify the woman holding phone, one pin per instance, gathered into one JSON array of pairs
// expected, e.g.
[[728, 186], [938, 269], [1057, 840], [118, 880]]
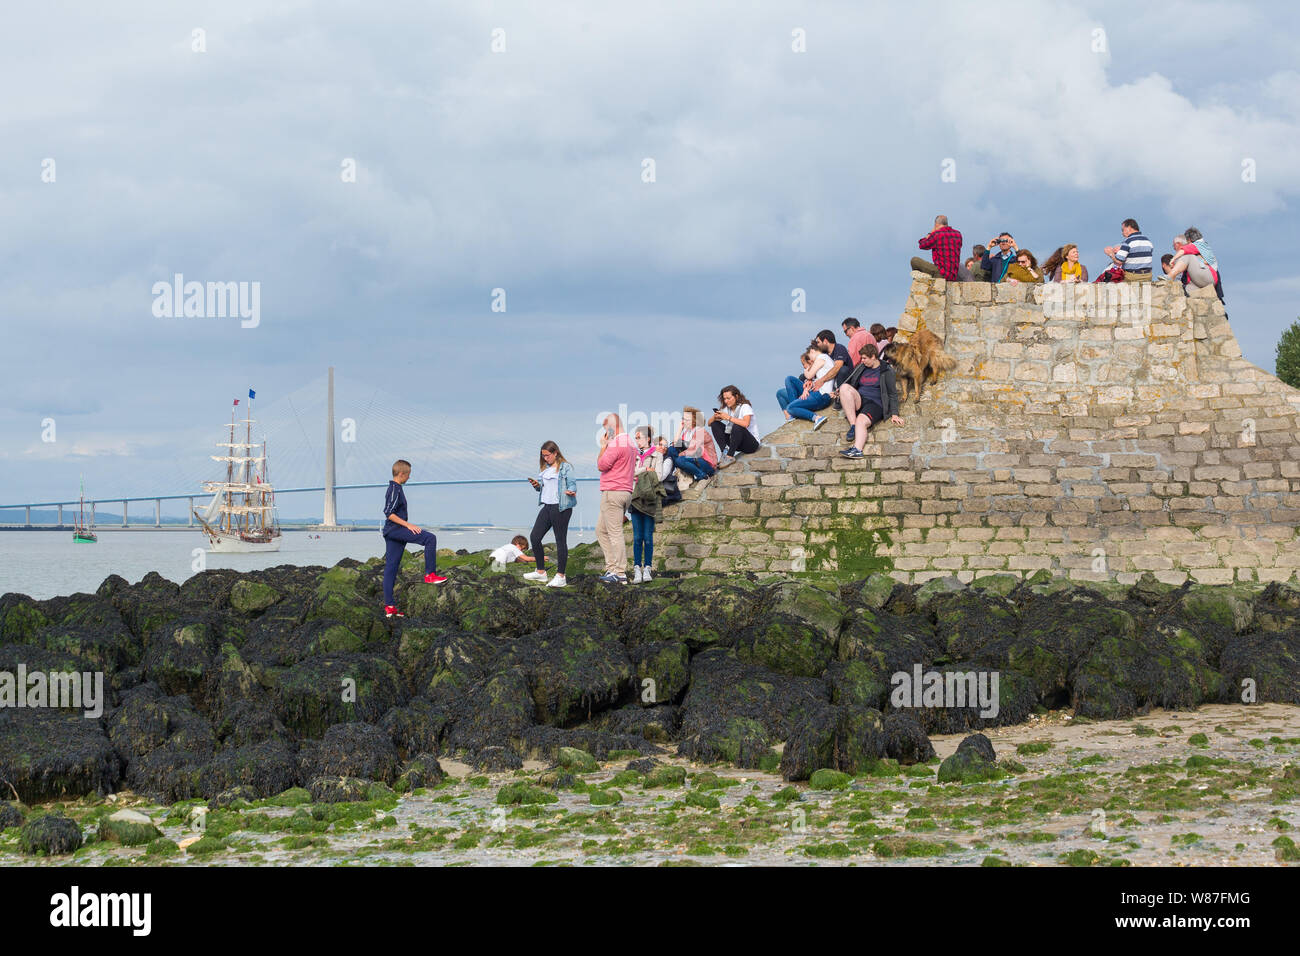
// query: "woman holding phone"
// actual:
[[557, 493]]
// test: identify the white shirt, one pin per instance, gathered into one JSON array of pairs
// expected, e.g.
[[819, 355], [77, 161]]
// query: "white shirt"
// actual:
[[550, 479], [506, 554], [821, 365], [740, 411]]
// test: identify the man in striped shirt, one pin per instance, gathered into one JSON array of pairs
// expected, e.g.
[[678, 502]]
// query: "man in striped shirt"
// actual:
[[1134, 254]]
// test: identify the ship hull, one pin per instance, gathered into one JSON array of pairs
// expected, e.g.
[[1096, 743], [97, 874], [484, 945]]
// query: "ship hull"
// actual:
[[83, 538], [233, 544]]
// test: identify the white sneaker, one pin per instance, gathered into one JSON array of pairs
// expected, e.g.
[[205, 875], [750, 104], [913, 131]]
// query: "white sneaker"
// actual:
[[557, 582], [636, 574], [535, 576], [645, 573]]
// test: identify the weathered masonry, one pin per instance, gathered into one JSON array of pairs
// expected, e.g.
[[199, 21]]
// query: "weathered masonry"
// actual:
[[1090, 436]]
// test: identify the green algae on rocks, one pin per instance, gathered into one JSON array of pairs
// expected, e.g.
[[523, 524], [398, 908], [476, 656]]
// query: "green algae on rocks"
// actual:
[[237, 687]]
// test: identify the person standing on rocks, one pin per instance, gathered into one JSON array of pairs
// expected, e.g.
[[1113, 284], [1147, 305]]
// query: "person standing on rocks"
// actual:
[[398, 533], [944, 244], [557, 493], [616, 463]]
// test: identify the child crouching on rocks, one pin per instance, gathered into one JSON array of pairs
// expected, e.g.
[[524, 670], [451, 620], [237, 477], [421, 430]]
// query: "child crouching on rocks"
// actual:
[[515, 551]]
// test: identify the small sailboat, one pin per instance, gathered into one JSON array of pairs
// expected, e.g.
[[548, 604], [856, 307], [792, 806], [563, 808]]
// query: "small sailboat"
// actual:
[[82, 534], [241, 517]]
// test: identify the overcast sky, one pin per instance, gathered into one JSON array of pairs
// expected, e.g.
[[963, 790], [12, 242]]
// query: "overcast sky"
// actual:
[[522, 170]]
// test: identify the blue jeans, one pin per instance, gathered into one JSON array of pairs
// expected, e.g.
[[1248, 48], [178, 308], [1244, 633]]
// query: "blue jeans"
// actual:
[[789, 392], [643, 538], [395, 542], [807, 408], [697, 468]]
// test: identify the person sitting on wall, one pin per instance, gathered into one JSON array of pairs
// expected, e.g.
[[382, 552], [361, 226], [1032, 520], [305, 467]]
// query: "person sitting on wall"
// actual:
[[1069, 269], [877, 398], [733, 424], [693, 451], [857, 337], [797, 398], [1190, 265], [1134, 254], [976, 257], [965, 272], [840, 364], [944, 244], [1024, 269], [999, 255]]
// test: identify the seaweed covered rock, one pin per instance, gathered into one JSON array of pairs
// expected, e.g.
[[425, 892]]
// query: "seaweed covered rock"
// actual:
[[351, 750], [10, 815], [845, 737], [973, 762], [422, 770], [320, 692], [50, 835], [904, 740], [248, 684], [267, 768], [338, 789], [1169, 665], [724, 687], [52, 754]]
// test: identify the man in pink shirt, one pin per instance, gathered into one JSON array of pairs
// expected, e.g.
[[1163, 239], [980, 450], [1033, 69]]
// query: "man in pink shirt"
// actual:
[[858, 337], [616, 464]]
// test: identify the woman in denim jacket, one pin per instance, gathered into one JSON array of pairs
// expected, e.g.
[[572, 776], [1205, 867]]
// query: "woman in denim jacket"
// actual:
[[557, 493]]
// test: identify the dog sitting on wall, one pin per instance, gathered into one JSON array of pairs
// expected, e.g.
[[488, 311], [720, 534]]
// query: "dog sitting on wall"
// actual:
[[918, 362]]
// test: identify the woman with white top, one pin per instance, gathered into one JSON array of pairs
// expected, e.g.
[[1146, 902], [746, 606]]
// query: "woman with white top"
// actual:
[[733, 424], [798, 399], [557, 493]]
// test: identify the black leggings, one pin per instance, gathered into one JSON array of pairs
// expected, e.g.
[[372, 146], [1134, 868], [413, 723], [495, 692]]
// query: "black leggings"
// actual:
[[551, 518], [742, 439]]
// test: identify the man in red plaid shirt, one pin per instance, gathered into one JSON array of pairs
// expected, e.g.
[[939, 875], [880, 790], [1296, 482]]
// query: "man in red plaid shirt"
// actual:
[[944, 243]]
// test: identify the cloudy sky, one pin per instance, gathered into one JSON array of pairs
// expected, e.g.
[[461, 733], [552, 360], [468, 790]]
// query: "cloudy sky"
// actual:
[[136, 148]]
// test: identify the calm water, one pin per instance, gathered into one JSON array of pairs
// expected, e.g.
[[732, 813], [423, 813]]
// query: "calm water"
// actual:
[[46, 564]]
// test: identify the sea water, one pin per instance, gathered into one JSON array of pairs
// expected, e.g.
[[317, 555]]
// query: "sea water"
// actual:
[[45, 564]]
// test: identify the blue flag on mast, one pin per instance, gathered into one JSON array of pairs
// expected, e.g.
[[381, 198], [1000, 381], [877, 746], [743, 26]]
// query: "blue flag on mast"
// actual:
[[252, 394]]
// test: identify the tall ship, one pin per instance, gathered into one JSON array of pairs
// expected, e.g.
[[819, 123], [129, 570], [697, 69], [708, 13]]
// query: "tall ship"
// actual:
[[81, 533], [241, 517]]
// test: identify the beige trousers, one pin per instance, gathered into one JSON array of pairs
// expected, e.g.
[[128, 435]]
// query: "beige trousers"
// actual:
[[609, 530]]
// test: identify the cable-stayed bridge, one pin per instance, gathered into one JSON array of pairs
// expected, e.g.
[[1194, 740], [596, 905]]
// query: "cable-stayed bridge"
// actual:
[[318, 442]]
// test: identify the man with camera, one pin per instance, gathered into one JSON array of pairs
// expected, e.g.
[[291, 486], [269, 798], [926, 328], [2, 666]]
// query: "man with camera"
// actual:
[[1002, 251]]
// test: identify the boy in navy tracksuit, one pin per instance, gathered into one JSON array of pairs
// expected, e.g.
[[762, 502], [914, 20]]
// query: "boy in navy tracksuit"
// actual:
[[398, 533]]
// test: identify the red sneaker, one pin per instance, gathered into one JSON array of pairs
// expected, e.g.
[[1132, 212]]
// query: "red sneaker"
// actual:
[[391, 611], [434, 578]]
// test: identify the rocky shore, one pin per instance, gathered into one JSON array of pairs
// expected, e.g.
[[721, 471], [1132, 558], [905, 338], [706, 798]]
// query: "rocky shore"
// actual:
[[236, 687]]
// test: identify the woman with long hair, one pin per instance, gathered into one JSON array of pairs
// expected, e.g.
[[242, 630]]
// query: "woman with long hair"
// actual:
[[1069, 269], [693, 451], [733, 425], [557, 493], [1024, 269]]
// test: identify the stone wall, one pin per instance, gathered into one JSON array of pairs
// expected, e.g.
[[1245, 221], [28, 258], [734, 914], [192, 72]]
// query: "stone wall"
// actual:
[[1097, 438]]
